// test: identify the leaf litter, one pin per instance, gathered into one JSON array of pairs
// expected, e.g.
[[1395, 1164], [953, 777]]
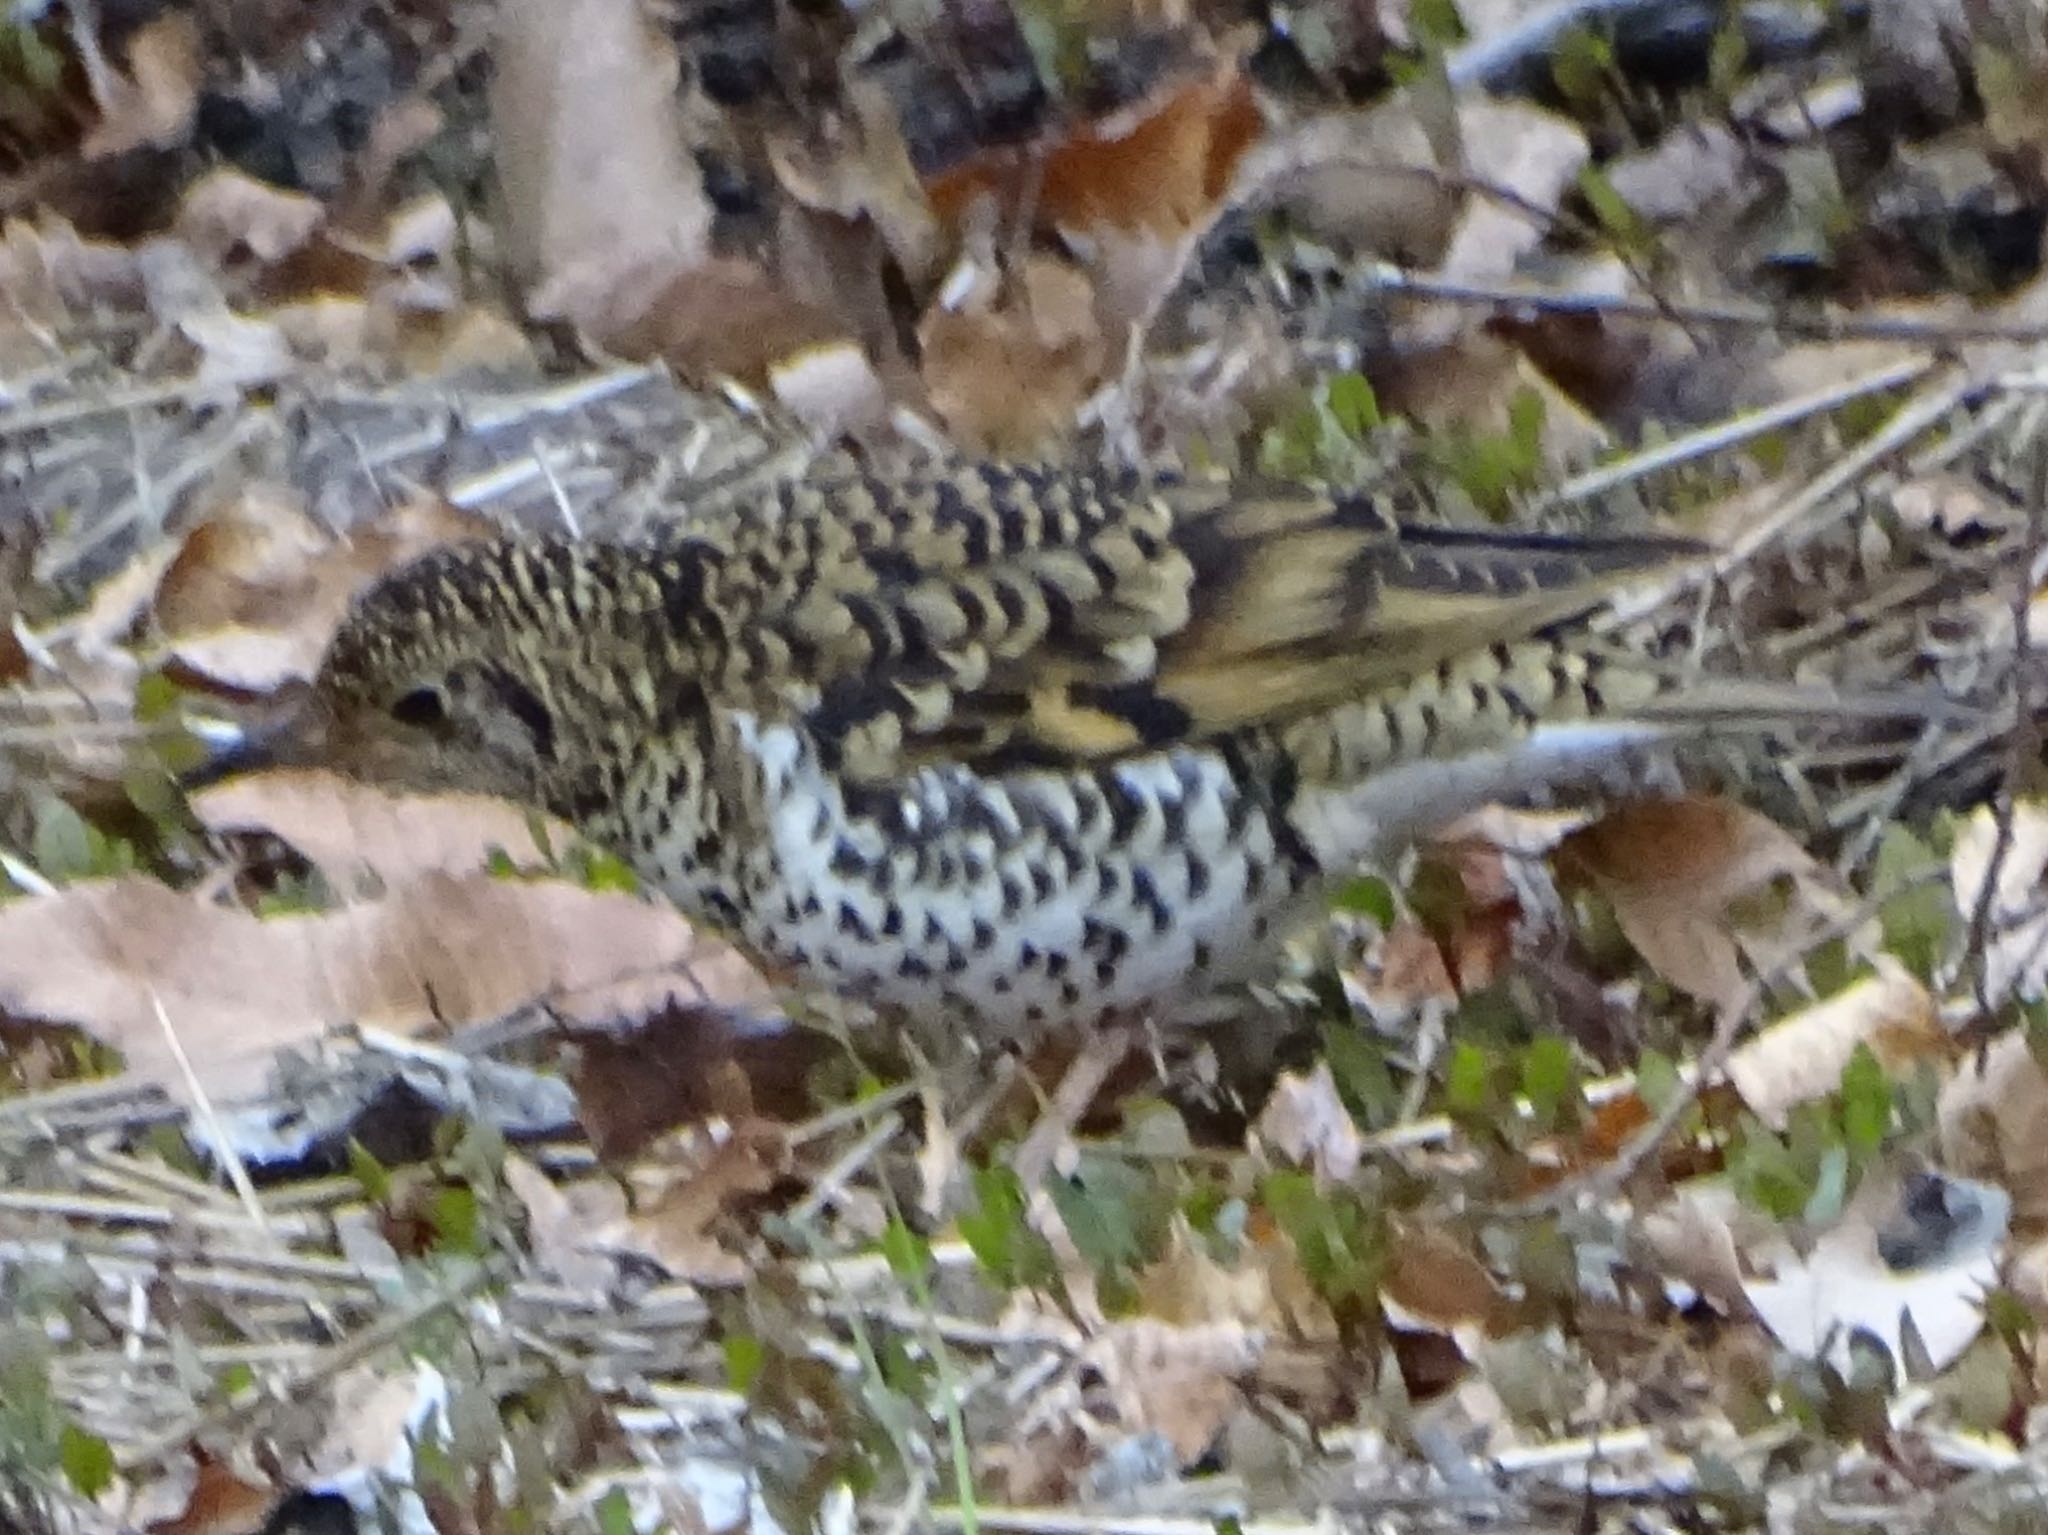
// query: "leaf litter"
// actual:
[[1414, 1260]]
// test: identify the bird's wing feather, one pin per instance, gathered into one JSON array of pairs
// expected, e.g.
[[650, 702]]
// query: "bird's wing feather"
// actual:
[[999, 615]]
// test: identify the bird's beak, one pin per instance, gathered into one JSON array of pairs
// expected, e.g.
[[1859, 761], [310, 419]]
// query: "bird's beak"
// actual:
[[291, 737]]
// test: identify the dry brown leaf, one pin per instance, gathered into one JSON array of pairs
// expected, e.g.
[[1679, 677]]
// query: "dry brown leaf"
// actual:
[[220, 1503], [597, 184], [1801, 1057], [1434, 1282], [352, 832], [1186, 1287], [376, 1413], [867, 173], [132, 962], [1473, 382], [1371, 181], [2016, 941], [1161, 164], [723, 319], [677, 1199], [1307, 1123], [1671, 868], [560, 1220], [256, 592], [1690, 1238], [691, 1062], [1520, 149], [154, 104], [227, 212], [1991, 1113], [1008, 374], [1178, 1382]]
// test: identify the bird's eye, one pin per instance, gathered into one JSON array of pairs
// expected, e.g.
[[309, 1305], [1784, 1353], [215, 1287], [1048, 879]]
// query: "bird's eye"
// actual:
[[425, 706]]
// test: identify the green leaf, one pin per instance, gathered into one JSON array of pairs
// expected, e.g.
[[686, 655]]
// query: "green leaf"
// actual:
[[1437, 22], [1340, 1240], [997, 1232], [1468, 1081], [909, 1255], [1727, 58], [1582, 67], [615, 1513], [1354, 407], [62, 846], [156, 698], [1526, 413], [87, 1459], [1657, 1080], [373, 1176], [1620, 222], [457, 1219], [745, 1354], [1366, 896], [1550, 1080], [1358, 1064], [1866, 1102]]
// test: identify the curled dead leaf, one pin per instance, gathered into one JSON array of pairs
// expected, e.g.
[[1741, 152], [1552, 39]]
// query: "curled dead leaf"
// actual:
[[1160, 164], [154, 103], [1801, 1057], [1306, 1122], [227, 212], [1672, 869], [2016, 932], [1991, 1113], [256, 591], [1009, 373]]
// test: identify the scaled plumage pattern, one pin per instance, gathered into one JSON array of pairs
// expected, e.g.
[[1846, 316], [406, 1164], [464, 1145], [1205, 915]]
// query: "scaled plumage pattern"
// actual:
[[1028, 744]]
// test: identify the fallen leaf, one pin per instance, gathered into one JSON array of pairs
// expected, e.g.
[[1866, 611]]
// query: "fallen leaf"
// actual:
[[154, 104], [354, 832], [598, 187], [678, 1197], [1845, 1285], [1802, 1056], [1991, 1113], [560, 1219], [1179, 1382], [1307, 1123], [1433, 1282], [694, 1061], [1008, 374], [1532, 155], [135, 963], [1671, 869], [227, 212], [220, 1503], [2016, 932], [724, 319], [1161, 164], [257, 590]]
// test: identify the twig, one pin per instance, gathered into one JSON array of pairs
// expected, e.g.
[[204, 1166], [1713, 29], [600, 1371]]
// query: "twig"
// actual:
[[1830, 326], [381, 1334]]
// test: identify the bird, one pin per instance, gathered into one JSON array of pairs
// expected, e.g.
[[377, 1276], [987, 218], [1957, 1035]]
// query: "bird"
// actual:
[[1014, 744]]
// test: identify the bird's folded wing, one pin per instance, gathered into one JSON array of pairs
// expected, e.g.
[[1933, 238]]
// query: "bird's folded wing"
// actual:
[[1000, 616]]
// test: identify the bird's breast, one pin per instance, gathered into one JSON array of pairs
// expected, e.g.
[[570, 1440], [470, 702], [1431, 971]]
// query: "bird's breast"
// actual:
[[1013, 900]]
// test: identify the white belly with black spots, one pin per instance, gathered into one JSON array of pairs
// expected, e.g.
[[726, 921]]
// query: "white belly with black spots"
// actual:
[[1018, 900]]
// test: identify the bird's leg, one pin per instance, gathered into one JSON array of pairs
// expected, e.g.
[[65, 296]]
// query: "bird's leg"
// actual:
[[1102, 1050]]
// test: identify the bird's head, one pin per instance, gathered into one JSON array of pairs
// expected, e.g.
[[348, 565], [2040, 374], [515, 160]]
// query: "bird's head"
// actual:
[[502, 668]]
